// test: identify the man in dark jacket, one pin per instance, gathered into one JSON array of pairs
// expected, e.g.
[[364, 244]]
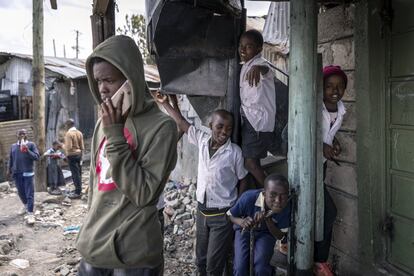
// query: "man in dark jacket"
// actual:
[[21, 161]]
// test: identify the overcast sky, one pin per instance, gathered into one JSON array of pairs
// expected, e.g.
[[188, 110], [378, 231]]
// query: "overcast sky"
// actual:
[[60, 24]]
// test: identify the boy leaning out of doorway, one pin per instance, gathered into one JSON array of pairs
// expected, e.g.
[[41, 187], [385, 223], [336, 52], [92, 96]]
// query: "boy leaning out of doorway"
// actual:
[[333, 111], [258, 104], [264, 214], [220, 173]]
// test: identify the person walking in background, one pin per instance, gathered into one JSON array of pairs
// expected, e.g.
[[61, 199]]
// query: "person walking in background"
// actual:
[[54, 172], [74, 148], [21, 162]]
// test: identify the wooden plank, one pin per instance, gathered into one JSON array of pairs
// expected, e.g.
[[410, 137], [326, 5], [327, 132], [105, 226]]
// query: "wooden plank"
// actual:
[[402, 50], [402, 150], [319, 185], [402, 245], [302, 123], [402, 103], [100, 6], [402, 194]]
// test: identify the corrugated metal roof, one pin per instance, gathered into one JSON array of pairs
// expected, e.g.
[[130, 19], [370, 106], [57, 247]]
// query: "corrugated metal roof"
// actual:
[[151, 73], [70, 68], [255, 22], [75, 68], [276, 29]]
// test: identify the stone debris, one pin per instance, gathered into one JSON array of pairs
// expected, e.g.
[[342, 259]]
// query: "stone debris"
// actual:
[[20, 263], [4, 186], [179, 234]]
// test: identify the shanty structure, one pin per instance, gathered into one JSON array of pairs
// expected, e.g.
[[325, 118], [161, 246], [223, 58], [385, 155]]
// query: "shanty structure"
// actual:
[[372, 41], [67, 96]]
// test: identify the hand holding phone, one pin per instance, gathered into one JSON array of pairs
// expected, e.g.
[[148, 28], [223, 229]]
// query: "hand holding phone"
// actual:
[[124, 90]]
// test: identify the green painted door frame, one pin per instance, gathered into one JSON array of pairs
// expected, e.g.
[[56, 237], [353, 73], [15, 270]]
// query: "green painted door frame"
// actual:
[[373, 103], [370, 85]]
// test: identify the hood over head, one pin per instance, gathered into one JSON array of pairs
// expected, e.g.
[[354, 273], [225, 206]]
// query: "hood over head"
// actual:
[[123, 53]]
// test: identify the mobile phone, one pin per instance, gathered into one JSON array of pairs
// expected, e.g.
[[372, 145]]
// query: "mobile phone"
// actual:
[[125, 89]]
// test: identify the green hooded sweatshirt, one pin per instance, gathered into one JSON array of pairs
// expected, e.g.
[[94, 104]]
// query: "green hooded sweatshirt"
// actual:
[[121, 229]]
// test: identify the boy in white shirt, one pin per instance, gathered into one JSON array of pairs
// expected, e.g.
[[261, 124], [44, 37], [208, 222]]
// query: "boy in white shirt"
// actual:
[[258, 103], [333, 111], [220, 170]]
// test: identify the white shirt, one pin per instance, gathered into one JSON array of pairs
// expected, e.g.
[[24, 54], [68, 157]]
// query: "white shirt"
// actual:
[[218, 176], [328, 131], [258, 102]]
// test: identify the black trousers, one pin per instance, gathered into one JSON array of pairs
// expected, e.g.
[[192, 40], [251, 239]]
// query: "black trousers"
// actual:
[[86, 269], [76, 170], [214, 238], [321, 248]]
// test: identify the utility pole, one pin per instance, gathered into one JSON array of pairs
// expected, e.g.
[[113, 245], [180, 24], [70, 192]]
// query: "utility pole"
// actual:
[[38, 83], [302, 128], [64, 51], [76, 47], [54, 48]]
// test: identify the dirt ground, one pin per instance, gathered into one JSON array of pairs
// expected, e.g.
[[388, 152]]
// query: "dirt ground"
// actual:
[[49, 250]]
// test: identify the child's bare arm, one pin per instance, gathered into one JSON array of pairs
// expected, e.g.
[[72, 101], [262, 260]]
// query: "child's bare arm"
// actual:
[[243, 185], [173, 111], [244, 223], [253, 76], [273, 229]]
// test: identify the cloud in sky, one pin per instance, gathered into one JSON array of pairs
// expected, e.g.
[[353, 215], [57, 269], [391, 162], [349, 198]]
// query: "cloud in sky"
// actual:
[[61, 24]]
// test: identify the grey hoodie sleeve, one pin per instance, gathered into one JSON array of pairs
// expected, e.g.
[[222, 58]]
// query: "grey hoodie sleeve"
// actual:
[[142, 180]]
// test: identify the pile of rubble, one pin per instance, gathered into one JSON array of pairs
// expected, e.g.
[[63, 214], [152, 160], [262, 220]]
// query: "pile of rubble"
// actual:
[[179, 235]]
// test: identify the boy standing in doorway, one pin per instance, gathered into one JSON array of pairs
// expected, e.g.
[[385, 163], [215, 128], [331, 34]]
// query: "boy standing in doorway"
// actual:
[[258, 103]]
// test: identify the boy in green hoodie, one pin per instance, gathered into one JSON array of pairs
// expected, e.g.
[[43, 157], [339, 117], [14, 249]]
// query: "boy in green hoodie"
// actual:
[[132, 155]]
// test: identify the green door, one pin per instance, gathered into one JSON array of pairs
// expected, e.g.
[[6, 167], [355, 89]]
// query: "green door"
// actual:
[[400, 128]]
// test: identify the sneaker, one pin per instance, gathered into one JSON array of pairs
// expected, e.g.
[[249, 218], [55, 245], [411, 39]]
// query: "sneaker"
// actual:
[[30, 219], [22, 211], [74, 196], [55, 191], [323, 269]]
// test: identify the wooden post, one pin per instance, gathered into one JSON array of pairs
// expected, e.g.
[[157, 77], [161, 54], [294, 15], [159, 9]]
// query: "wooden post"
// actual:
[[319, 190], [102, 20], [302, 127], [38, 83]]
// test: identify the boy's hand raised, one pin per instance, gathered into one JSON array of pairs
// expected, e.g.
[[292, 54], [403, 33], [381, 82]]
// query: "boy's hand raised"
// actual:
[[110, 114], [159, 97], [247, 223], [253, 75]]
